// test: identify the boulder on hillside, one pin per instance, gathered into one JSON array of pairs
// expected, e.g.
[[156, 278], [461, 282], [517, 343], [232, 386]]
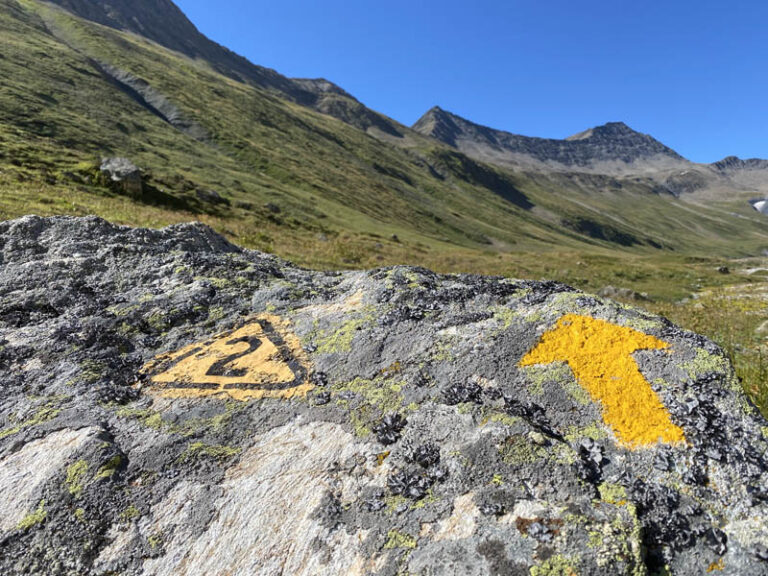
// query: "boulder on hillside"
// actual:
[[123, 176], [173, 404]]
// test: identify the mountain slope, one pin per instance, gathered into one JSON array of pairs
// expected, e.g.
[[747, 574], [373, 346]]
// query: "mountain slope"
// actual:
[[609, 148], [162, 22], [300, 182]]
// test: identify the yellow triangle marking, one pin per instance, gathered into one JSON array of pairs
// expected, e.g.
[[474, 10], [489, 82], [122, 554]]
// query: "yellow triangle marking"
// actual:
[[600, 355], [261, 359]]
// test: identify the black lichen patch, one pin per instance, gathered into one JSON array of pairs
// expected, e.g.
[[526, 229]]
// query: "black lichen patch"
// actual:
[[461, 393], [426, 455], [389, 429]]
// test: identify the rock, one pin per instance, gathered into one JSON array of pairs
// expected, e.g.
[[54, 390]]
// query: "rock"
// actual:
[[173, 404], [210, 197], [723, 270], [622, 294], [123, 175]]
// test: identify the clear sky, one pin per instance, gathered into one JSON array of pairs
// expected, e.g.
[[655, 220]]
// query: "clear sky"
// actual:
[[693, 73]]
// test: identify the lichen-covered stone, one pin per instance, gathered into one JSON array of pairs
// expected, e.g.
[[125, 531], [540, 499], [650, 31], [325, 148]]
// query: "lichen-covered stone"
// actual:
[[172, 404]]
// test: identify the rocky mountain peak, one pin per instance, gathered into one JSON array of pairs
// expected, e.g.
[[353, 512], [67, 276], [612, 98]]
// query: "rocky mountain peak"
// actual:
[[439, 124], [606, 146], [607, 130]]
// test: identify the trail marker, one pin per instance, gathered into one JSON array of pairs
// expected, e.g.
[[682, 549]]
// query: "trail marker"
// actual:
[[600, 355], [261, 359]]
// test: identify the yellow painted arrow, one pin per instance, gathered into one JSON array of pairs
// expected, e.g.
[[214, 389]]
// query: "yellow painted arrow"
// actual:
[[600, 355]]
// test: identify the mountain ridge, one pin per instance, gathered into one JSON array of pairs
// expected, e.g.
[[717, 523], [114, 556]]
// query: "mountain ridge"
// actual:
[[611, 142]]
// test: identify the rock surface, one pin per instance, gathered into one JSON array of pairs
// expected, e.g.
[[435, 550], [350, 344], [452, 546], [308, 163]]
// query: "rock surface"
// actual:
[[172, 404]]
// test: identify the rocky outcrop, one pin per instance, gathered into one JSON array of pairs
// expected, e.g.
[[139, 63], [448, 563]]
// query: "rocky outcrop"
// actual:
[[734, 163], [123, 176], [172, 404]]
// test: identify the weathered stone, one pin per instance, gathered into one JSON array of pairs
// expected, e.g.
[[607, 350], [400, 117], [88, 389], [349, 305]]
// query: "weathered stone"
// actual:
[[124, 176], [172, 404]]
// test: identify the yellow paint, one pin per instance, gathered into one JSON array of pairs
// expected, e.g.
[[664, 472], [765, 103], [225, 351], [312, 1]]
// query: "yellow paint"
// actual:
[[600, 355], [261, 359], [718, 566]]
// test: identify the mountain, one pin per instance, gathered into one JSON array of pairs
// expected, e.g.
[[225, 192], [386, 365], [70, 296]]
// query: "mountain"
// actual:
[[164, 23], [611, 148], [301, 168]]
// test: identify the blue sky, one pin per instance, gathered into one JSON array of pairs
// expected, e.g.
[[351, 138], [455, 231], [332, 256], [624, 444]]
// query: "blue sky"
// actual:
[[694, 74]]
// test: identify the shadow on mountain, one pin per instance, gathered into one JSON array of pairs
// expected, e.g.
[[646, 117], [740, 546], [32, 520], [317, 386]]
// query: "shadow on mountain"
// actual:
[[456, 164]]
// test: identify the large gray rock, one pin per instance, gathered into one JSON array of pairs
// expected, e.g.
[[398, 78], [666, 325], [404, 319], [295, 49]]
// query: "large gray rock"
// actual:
[[123, 175], [172, 404]]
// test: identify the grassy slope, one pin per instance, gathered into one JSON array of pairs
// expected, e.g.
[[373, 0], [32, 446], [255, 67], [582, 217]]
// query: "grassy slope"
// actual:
[[342, 193]]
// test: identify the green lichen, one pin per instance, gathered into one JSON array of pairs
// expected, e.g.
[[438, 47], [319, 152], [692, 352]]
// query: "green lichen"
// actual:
[[215, 424], [121, 311], [383, 394], [361, 421], [75, 477], [619, 542], [564, 454], [764, 430], [157, 321], [148, 417], [442, 352], [465, 407], [126, 329], [505, 317], [396, 539], [429, 498], [539, 375], [660, 383], [575, 390], [645, 325], [557, 565], [80, 515], [33, 518], [109, 469], [91, 371], [156, 540], [501, 418], [340, 339], [198, 450], [497, 480], [705, 363], [45, 413], [594, 430], [129, 513], [517, 450], [612, 493], [215, 314], [395, 502], [566, 302], [220, 283]]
